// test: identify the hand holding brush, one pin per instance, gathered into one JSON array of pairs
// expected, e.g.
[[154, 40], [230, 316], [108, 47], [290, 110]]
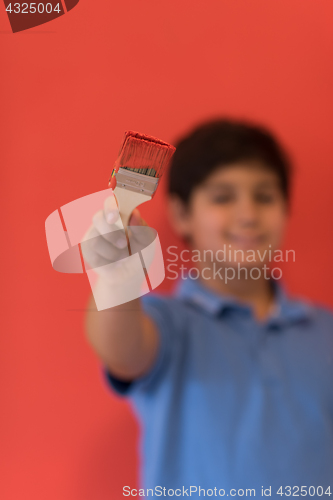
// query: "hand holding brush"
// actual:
[[137, 170]]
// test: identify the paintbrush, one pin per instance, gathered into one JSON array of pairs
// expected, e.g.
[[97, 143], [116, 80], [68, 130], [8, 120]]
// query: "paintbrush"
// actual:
[[140, 164]]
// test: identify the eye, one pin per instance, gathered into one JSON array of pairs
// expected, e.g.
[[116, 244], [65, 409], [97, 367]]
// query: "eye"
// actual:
[[222, 198], [265, 197]]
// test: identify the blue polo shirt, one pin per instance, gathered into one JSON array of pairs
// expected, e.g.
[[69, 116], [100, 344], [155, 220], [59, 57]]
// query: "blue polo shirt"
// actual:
[[232, 404]]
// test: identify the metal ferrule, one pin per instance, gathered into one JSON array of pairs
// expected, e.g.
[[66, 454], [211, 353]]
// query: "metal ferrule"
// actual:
[[139, 183]]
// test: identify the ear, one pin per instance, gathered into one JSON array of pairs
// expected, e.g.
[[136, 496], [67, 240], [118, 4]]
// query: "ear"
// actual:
[[179, 216]]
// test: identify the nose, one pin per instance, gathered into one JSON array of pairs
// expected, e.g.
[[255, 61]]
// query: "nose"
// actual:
[[247, 212]]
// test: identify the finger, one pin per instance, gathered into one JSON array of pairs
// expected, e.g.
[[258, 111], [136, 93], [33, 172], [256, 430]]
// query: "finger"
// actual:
[[95, 261], [142, 240], [107, 250], [110, 232], [88, 243], [88, 247], [142, 234], [91, 233], [136, 219], [111, 212], [139, 231]]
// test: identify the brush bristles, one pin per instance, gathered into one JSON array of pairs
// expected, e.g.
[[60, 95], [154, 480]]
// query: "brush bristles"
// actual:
[[144, 154]]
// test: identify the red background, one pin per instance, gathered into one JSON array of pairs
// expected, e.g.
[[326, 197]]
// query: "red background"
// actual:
[[69, 90]]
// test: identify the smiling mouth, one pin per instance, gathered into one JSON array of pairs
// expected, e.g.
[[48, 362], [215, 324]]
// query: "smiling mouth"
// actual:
[[246, 240]]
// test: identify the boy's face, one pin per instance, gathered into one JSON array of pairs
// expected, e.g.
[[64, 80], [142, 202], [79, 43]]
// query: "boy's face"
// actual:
[[240, 206]]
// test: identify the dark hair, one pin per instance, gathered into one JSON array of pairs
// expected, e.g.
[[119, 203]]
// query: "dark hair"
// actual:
[[221, 142]]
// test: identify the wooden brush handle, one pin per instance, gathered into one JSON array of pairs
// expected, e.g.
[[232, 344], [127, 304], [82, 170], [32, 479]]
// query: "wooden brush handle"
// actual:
[[127, 202]]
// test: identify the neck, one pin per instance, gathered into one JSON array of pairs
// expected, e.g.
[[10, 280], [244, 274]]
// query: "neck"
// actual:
[[256, 293]]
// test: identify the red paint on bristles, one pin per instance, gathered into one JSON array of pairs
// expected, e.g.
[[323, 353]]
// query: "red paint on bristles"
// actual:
[[145, 154]]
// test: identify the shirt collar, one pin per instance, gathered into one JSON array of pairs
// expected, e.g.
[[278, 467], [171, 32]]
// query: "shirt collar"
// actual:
[[286, 309]]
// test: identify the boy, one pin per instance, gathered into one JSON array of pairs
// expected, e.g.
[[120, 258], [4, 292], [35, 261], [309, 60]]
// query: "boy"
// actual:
[[231, 379]]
